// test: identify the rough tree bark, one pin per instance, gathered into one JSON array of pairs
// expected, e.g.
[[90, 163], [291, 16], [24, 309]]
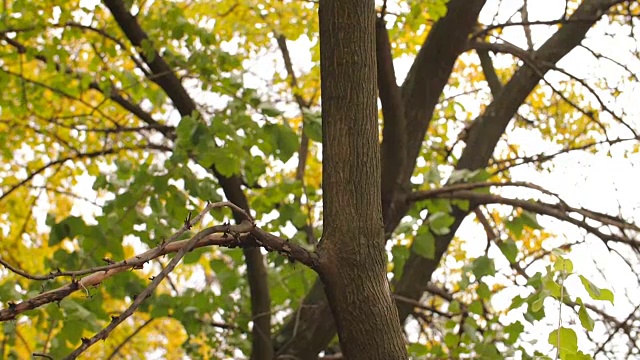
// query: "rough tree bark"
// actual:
[[352, 255], [424, 84], [307, 333]]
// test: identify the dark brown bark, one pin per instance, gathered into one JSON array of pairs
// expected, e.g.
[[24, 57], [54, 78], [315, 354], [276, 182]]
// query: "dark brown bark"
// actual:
[[352, 254], [448, 38], [165, 77], [314, 335], [489, 72], [431, 71], [261, 347], [421, 91], [394, 136], [425, 81]]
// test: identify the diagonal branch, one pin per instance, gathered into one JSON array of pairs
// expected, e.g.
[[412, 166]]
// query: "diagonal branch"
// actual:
[[245, 235], [163, 73], [419, 93], [256, 268], [115, 95], [393, 148], [506, 164], [489, 127], [188, 246], [559, 211], [88, 155]]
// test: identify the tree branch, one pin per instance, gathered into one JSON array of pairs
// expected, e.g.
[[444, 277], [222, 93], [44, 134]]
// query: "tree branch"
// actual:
[[558, 211], [128, 338], [245, 235], [392, 149], [88, 155], [489, 127], [163, 73], [256, 270]]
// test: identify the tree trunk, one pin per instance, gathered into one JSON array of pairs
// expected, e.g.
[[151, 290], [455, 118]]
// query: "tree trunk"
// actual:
[[352, 254]]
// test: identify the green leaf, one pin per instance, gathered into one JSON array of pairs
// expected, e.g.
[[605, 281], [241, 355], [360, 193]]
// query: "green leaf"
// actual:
[[513, 332], [565, 340], [579, 356], [535, 281], [538, 304], [483, 291], [488, 352], [400, 255], [424, 244], [461, 204], [585, 319], [440, 223], [530, 219], [58, 233], [417, 349], [69, 227], [185, 127], [551, 286], [476, 307], [454, 307], [254, 167], [459, 176], [313, 125], [516, 226], [433, 175], [283, 140], [269, 109], [595, 292], [563, 265], [483, 266], [517, 302], [509, 249], [437, 205], [193, 256], [436, 10], [147, 49], [451, 340]]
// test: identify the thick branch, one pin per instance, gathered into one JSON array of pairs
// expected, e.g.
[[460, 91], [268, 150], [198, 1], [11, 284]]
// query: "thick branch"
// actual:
[[164, 76], [352, 256], [392, 149], [558, 211], [431, 71], [489, 72], [163, 73], [485, 133], [420, 93]]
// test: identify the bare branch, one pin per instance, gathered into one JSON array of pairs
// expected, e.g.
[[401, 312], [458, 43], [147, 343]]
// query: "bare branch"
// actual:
[[246, 234], [188, 246], [88, 155], [558, 211], [128, 338], [505, 164]]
